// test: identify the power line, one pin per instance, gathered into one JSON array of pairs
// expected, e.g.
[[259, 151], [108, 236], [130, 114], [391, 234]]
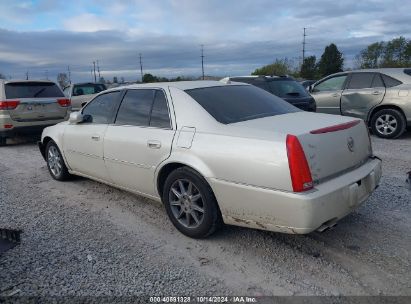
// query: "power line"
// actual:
[[141, 68], [202, 59]]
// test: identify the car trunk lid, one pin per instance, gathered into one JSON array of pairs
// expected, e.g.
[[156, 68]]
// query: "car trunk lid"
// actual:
[[332, 144]]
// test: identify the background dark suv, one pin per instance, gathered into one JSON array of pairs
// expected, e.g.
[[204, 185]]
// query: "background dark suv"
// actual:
[[282, 86]]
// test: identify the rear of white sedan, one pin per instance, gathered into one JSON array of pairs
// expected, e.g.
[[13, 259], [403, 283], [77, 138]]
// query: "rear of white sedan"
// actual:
[[292, 172], [229, 153]]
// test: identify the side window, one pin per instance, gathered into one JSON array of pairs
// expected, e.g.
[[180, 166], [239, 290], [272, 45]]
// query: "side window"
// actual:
[[377, 81], [159, 113], [135, 108], [361, 80], [389, 81], [101, 108], [331, 84]]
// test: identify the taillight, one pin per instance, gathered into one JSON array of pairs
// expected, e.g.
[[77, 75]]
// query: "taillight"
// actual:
[[9, 104], [299, 170], [64, 102]]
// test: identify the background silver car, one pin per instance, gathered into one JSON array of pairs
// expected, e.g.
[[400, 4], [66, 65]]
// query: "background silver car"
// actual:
[[381, 97], [28, 106]]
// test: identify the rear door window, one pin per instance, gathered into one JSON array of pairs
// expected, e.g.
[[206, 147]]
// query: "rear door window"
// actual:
[[135, 108], [377, 81], [102, 107], [361, 80], [235, 103], [32, 90], [159, 113]]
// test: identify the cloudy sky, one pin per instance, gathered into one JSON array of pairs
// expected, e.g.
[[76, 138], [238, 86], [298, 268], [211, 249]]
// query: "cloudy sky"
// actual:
[[45, 36]]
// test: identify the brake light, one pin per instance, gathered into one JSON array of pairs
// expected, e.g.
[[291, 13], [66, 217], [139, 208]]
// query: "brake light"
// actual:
[[9, 104], [8, 126], [64, 102], [299, 170], [335, 128]]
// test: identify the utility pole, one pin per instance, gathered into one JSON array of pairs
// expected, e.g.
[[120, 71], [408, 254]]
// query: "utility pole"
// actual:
[[98, 70], [202, 59], [141, 68], [27, 75], [95, 77], [304, 35], [69, 73]]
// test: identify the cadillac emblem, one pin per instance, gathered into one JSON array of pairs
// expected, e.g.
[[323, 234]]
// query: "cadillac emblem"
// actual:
[[350, 144]]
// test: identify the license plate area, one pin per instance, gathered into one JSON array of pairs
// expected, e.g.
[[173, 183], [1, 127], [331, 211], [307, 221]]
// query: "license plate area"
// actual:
[[361, 189]]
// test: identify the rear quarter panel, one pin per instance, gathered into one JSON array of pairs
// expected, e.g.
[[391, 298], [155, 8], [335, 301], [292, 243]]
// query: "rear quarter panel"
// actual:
[[399, 96]]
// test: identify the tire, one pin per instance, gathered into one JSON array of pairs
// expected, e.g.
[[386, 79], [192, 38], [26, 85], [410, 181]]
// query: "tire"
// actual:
[[388, 123], [3, 141], [55, 162], [185, 212]]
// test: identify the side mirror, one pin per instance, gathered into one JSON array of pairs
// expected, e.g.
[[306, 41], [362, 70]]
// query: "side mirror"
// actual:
[[310, 88], [76, 117]]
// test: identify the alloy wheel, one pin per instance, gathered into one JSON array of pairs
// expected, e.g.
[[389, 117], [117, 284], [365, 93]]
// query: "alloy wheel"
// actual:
[[54, 161], [386, 124], [186, 203]]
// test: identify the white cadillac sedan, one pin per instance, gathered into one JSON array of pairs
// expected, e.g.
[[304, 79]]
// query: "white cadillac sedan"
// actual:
[[216, 153]]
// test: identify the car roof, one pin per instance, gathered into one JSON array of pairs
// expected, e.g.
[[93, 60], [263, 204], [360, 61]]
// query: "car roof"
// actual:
[[260, 76], [182, 85], [85, 83], [397, 73], [25, 80]]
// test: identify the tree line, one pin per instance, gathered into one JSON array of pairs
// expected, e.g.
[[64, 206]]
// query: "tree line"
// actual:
[[331, 61], [391, 54], [384, 54]]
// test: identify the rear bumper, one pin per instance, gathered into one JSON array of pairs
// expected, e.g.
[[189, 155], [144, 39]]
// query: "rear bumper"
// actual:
[[267, 209], [23, 128]]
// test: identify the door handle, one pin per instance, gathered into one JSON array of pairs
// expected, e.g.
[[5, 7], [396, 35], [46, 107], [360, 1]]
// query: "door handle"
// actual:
[[335, 95], [95, 137], [154, 144], [376, 93]]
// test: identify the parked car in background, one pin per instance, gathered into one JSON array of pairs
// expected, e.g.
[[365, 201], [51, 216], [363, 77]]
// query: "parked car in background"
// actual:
[[282, 86], [27, 106], [307, 83], [381, 97], [81, 93], [196, 154]]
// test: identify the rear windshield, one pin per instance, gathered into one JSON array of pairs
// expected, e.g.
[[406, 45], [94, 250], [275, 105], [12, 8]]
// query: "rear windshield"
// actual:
[[287, 88], [32, 90], [231, 104]]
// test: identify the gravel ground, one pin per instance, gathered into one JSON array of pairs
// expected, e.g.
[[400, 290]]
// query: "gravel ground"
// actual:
[[84, 238]]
